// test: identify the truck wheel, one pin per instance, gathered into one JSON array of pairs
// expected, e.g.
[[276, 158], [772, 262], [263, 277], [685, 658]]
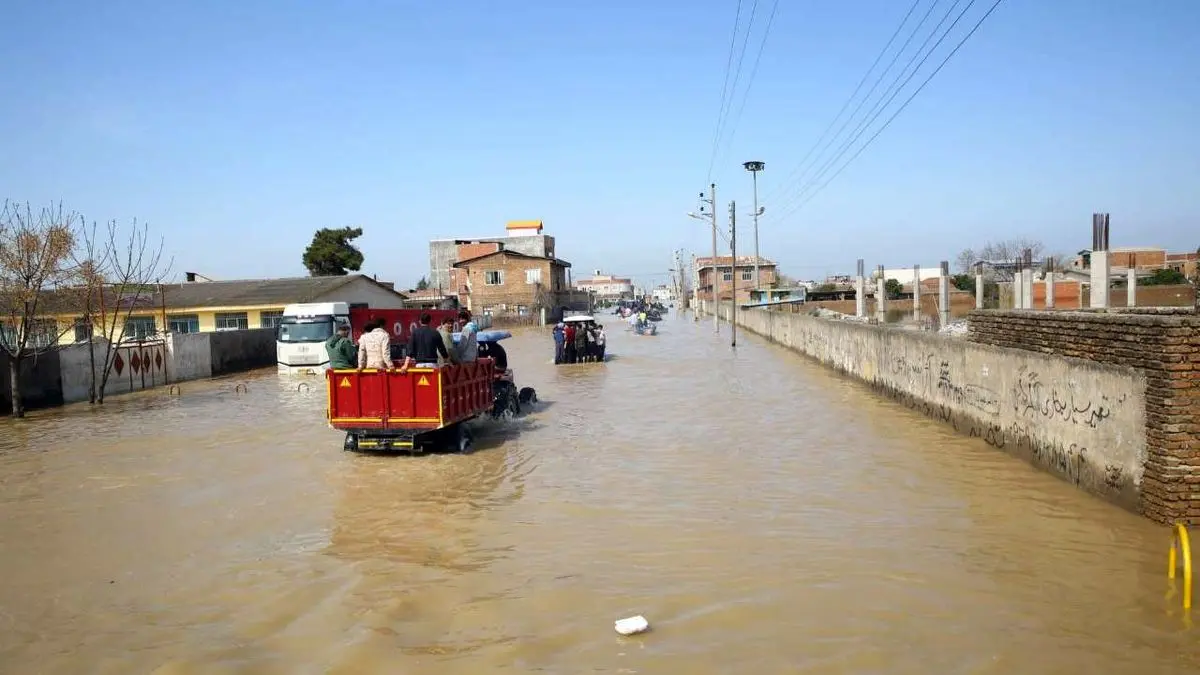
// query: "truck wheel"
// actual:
[[351, 443], [464, 439]]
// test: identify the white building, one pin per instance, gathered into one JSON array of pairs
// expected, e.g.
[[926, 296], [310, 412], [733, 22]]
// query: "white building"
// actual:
[[606, 286], [664, 294]]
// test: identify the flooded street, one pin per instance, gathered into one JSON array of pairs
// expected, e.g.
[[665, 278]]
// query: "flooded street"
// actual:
[[765, 514]]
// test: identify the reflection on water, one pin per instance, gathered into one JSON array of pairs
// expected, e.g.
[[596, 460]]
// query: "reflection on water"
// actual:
[[765, 514]]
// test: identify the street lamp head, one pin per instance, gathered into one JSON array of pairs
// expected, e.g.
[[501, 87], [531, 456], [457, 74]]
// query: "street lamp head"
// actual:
[[761, 210], [692, 214], [755, 166]]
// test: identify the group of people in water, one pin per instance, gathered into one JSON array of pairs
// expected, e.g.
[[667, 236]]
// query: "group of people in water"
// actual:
[[579, 342]]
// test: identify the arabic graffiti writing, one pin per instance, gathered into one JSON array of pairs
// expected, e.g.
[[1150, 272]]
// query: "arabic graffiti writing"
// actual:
[[1030, 396]]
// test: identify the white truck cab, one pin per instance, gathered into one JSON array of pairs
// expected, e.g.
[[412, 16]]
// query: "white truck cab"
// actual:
[[300, 339]]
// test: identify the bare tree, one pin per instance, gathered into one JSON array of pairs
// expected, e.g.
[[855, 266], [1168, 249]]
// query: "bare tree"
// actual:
[[90, 261], [966, 260], [1005, 252], [36, 269], [127, 271]]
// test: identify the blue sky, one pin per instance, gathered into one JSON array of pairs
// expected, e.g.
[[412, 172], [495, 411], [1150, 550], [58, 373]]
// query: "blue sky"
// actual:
[[238, 128]]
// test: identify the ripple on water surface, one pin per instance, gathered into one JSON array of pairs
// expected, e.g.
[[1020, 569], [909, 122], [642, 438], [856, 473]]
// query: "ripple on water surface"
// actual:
[[763, 513]]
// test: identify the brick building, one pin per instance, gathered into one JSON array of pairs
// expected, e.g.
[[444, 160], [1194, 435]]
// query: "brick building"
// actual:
[[1184, 263], [523, 236], [500, 282], [768, 275]]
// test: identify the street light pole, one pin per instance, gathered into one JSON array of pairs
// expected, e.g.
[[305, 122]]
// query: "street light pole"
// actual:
[[754, 168]]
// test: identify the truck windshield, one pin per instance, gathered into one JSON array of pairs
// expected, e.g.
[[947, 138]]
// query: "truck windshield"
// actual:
[[317, 329]]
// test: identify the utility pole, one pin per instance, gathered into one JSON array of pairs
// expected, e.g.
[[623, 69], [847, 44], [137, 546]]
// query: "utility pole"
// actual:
[[734, 276], [717, 317], [695, 290], [712, 202]]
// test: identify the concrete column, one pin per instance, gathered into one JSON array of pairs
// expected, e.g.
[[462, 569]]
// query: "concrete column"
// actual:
[[944, 294], [881, 297], [1027, 288], [1017, 302], [860, 291], [978, 291], [916, 286], [1100, 270], [1049, 290], [1131, 288]]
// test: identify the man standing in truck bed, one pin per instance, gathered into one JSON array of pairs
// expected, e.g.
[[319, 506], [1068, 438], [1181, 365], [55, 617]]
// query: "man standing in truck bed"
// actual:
[[340, 349], [425, 345]]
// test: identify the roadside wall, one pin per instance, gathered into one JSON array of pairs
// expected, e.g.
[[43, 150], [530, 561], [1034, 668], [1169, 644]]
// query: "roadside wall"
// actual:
[[64, 375], [1082, 421], [191, 356], [1163, 347], [236, 350], [135, 367], [40, 383]]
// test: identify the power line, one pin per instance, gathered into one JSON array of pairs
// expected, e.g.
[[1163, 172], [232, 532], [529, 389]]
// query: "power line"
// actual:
[[845, 105], [750, 81], [737, 75], [724, 90], [882, 104], [904, 105]]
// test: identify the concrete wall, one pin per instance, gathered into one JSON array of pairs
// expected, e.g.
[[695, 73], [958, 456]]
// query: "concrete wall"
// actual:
[[191, 356], [40, 383], [1082, 421], [1163, 347], [135, 367], [233, 351]]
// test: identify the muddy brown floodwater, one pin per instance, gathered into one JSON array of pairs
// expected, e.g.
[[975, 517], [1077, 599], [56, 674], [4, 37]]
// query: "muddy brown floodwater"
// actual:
[[766, 515]]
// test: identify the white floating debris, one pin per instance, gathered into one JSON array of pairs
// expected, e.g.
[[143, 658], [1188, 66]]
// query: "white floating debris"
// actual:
[[633, 625]]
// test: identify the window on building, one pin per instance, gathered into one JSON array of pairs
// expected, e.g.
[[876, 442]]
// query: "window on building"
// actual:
[[270, 319], [533, 276], [183, 323], [83, 330], [43, 333], [232, 321], [139, 328], [493, 277], [727, 274], [748, 275]]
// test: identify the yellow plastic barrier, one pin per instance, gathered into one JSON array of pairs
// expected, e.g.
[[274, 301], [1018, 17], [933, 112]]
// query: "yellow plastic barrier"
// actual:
[[1179, 538]]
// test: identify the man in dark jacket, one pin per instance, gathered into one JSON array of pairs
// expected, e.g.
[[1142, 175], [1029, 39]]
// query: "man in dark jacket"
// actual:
[[340, 349], [425, 345]]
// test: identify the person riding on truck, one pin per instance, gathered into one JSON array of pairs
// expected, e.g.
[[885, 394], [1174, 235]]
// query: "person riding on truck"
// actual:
[[425, 345], [446, 330], [340, 349], [468, 343], [374, 349]]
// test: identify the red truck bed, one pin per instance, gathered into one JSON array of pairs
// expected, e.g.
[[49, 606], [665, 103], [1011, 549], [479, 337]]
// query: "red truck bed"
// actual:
[[423, 399]]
